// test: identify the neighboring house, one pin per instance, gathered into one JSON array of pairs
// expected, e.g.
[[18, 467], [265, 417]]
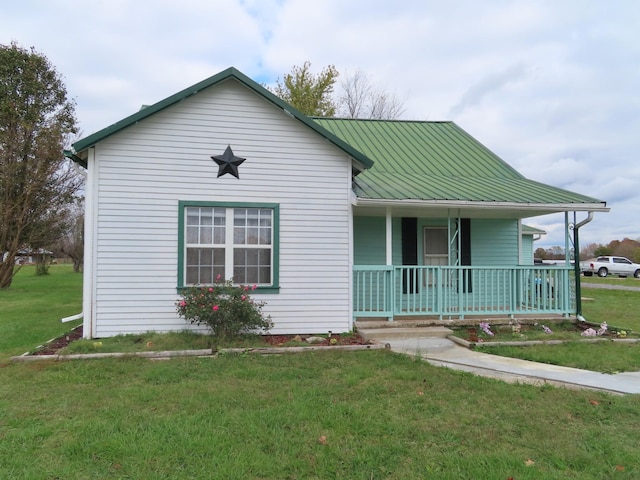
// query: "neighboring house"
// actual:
[[28, 255], [331, 219]]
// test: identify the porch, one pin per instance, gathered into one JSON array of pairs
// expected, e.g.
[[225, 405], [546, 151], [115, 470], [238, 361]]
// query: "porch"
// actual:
[[456, 292]]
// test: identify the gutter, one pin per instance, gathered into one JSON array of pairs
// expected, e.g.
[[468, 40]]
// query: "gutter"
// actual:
[[551, 208]]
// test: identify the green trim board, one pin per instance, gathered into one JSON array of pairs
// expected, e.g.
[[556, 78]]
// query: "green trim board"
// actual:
[[230, 73], [182, 204]]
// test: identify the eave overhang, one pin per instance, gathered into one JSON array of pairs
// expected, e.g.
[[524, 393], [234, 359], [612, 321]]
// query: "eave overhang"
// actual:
[[473, 209]]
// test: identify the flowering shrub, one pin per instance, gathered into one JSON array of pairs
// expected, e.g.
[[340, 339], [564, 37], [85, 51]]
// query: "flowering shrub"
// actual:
[[226, 309]]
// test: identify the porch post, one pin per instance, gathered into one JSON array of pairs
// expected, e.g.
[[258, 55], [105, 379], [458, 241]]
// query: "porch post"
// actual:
[[389, 258], [389, 232]]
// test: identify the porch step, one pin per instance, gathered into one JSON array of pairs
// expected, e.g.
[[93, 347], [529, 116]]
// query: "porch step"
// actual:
[[404, 332]]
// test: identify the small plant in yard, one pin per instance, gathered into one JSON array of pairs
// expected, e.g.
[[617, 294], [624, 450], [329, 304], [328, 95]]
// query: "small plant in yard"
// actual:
[[486, 328], [228, 310]]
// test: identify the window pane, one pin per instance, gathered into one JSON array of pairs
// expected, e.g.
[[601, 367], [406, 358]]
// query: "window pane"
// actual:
[[218, 235], [239, 217], [252, 216], [192, 276], [265, 217], [206, 216], [193, 216], [192, 234], [238, 235], [436, 241], [204, 264], [265, 275], [252, 236], [265, 236], [252, 265], [206, 235]]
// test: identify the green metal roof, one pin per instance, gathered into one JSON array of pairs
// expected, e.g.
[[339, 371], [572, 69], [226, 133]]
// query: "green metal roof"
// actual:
[[89, 141], [438, 161]]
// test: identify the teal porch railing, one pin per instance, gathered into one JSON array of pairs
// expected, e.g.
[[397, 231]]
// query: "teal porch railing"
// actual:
[[388, 291]]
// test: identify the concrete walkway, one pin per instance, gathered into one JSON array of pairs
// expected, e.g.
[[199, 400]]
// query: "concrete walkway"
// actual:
[[443, 352]]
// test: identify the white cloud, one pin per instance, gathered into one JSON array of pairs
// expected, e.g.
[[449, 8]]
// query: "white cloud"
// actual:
[[549, 86]]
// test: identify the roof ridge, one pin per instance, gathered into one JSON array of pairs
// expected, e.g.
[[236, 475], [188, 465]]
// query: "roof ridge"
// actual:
[[381, 120]]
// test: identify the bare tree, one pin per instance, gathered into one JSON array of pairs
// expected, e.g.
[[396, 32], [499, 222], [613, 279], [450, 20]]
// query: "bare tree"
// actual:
[[36, 183], [361, 99], [72, 243]]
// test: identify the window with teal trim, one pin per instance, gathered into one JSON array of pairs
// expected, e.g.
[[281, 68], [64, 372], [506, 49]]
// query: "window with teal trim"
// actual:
[[228, 242]]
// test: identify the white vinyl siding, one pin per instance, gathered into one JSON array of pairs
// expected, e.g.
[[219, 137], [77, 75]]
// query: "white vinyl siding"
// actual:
[[147, 169]]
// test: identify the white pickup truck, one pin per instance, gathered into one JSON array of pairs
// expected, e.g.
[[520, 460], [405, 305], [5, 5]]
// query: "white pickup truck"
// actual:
[[610, 265]]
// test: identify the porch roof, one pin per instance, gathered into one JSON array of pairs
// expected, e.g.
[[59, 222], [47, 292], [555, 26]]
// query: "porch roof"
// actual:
[[438, 163]]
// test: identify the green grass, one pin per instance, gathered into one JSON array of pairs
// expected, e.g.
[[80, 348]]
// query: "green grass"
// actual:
[[152, 341], [603, 357], [32, 307], [356, 415], [612, 280], [330, 414], [616, 307]]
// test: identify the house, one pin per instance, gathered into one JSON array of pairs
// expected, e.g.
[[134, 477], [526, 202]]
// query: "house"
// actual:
[[529, 235], [331, 219]]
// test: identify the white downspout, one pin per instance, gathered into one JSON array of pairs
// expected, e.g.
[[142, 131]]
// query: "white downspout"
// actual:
[[576, 265], [77, 316], [82, 172]]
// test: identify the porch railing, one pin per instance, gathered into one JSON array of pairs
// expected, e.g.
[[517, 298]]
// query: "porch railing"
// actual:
[[387, 291]]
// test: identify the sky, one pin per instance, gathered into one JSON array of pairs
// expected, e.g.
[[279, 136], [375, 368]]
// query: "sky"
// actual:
[[551, 86]]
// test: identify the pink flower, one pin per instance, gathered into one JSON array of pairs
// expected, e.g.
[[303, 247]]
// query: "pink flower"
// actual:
[[216, 308], [218, 277], [246, 288], [183, 303], [243, 297], [210, 290], [254, 287]]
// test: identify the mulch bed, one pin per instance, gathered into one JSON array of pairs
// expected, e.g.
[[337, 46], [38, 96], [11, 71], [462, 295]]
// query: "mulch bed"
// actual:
[[52, 347], [280, 340], [62, 341], [579, 327]]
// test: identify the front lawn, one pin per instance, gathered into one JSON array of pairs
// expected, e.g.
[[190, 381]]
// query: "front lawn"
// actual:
[[352, 415], [323, 414]]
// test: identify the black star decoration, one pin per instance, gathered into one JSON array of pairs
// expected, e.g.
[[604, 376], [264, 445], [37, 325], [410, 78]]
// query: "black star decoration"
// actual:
[[228, 163]]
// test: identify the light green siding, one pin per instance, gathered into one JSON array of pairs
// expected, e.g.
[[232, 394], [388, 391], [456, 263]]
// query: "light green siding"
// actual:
[[527, 249], [494, 242], [369, 238]]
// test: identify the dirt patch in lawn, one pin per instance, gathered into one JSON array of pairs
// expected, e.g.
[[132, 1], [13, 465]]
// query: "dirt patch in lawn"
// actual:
[[52, 347]]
